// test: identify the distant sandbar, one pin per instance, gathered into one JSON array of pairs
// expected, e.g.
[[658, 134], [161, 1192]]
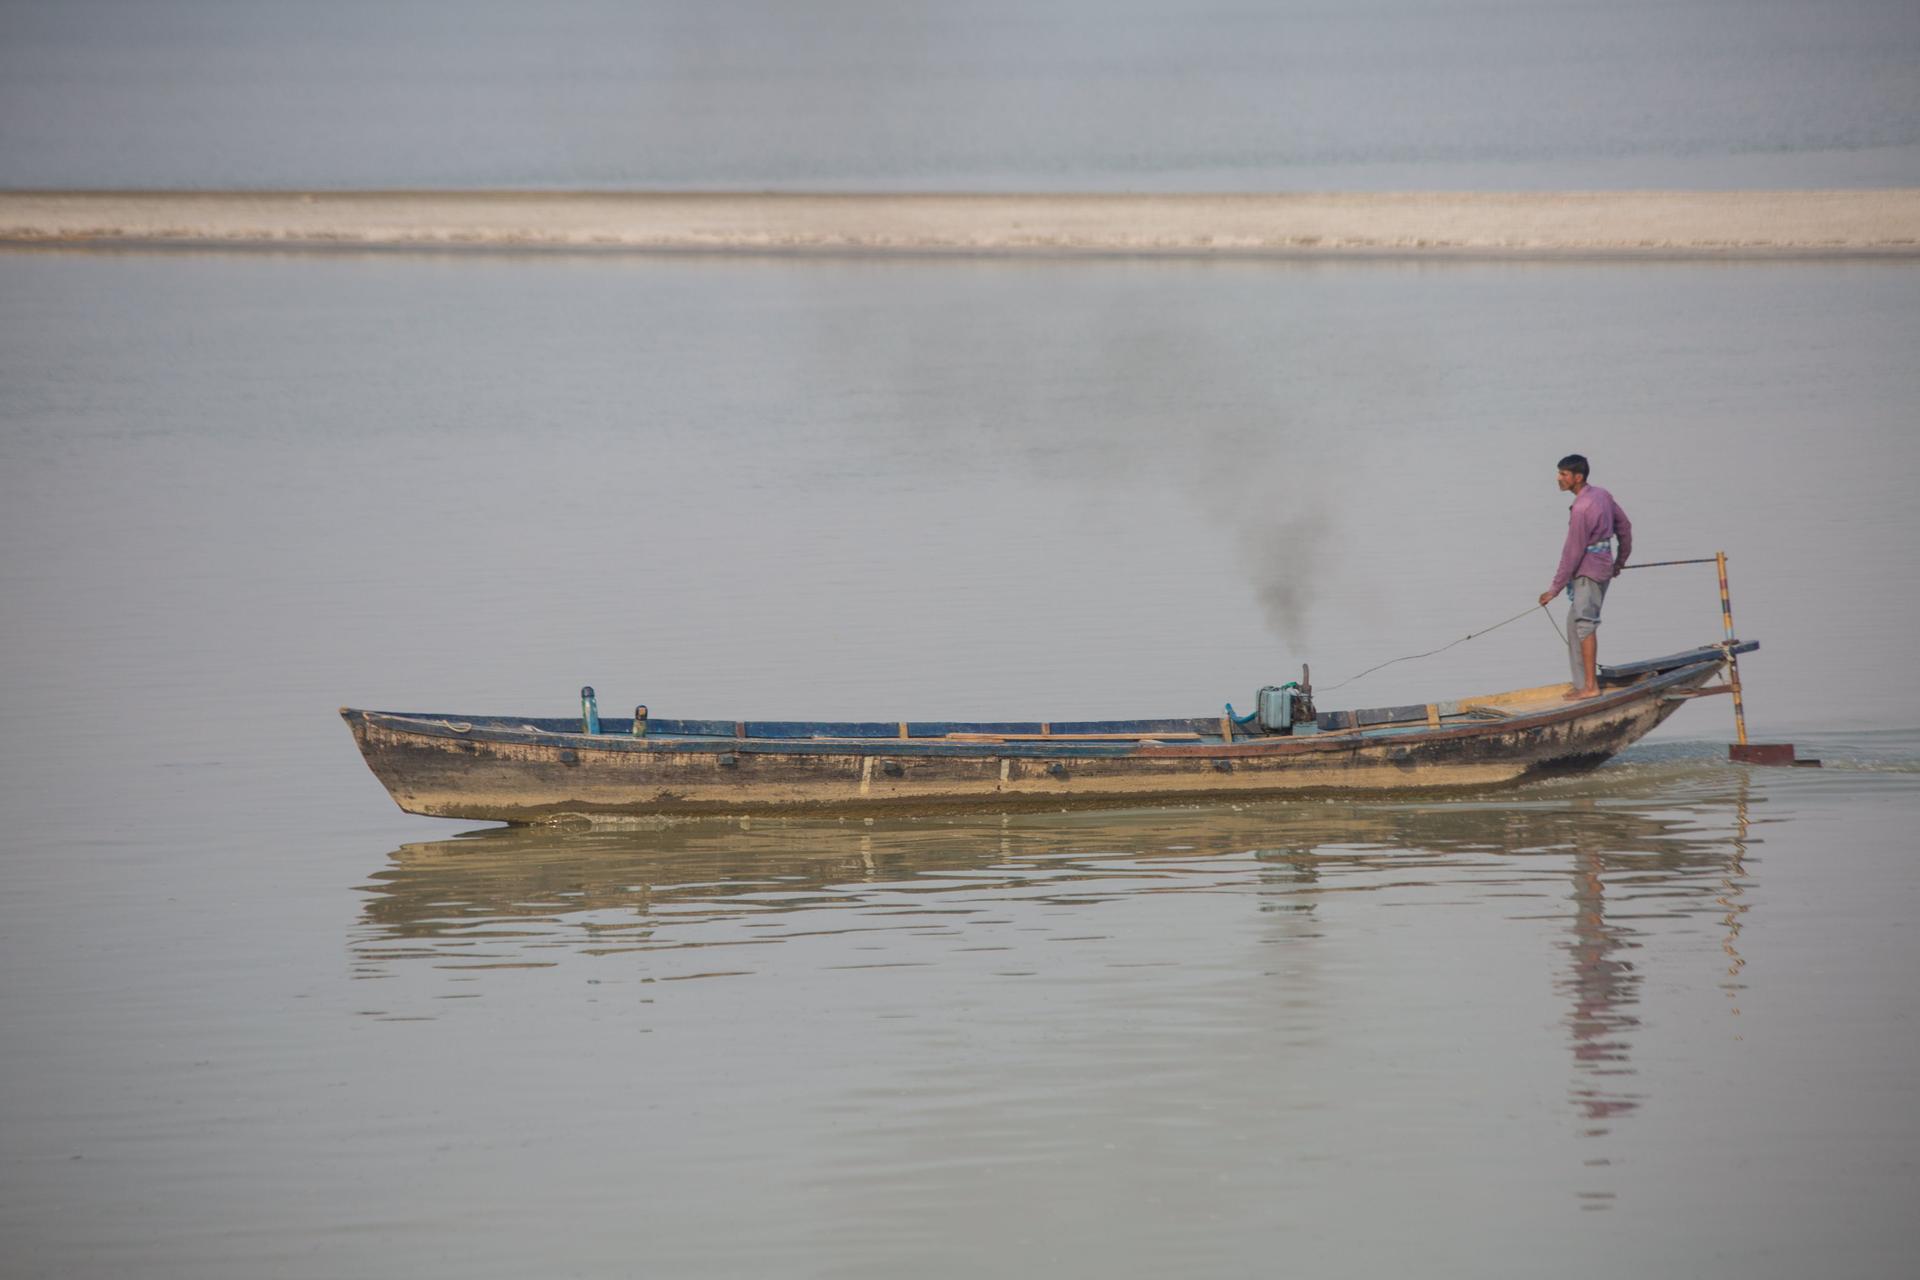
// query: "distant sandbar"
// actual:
[[1883, 222]]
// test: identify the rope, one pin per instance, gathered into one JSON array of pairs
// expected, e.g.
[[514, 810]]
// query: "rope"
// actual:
[[461, 726], [1443, 648], [1656, 564]]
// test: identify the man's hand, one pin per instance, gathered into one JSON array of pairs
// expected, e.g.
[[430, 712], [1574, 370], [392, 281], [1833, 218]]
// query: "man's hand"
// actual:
[[1544, 597]]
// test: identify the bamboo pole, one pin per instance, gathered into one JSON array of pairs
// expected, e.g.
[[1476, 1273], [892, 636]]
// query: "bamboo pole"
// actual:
[[1733, 662]]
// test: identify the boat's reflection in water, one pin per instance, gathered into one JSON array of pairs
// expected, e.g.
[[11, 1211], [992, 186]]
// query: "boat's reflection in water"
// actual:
[[1615, 856]]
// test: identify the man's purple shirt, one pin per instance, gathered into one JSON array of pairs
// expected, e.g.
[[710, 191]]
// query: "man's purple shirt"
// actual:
[[1595, 518]]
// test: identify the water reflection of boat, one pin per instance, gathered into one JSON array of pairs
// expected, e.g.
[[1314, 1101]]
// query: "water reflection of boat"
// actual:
[[1604, 873], [764, 866], [1673, 833], [518, 770], [1661, 826]]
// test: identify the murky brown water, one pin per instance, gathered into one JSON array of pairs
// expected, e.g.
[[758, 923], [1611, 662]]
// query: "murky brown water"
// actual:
[[1655, 1021]]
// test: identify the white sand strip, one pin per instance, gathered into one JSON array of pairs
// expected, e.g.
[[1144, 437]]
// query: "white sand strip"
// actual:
[[1626, 222]]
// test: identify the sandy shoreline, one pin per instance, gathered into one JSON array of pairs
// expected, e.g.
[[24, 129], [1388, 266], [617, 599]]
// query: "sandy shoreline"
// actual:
[[1884, 222]]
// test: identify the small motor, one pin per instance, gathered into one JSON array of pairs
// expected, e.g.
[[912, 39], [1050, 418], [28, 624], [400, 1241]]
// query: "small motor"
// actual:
[[1275, 712], [1280, 707], [1283, 706]]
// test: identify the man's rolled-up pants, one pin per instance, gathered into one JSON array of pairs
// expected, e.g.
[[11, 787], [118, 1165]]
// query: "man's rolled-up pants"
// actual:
[[1583, 619]]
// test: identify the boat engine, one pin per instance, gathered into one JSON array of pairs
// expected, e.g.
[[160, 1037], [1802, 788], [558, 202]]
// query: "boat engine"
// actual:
[[1279, 707]]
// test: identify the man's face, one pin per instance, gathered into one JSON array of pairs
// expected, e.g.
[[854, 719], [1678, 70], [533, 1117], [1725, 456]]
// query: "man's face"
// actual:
[[1568, 482]]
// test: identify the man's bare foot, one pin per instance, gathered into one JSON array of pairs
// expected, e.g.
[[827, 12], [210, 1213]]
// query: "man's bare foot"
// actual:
[[1579, 695]]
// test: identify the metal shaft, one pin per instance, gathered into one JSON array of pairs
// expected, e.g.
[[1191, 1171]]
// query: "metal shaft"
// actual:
[[1733, 662], [1655, 564]]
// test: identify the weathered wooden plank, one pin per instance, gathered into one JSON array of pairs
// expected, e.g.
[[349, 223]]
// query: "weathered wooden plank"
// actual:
[[690, 728], [1391, 715], [806, 729], [1367, 717], [1186, 724], [1066, 737], [1673, 661], [821, 729]]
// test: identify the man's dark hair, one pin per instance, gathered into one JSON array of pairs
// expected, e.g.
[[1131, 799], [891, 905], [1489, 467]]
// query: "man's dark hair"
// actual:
[[1575, 463]]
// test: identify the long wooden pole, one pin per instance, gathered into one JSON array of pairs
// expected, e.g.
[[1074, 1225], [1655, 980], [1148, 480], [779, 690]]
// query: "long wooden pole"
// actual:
[[1733, 662]]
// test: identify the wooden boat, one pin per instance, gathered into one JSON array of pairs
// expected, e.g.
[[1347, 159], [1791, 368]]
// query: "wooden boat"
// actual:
[[519, 770]]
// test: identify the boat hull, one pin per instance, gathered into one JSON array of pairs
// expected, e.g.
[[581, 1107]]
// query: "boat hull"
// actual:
[[450, 768]]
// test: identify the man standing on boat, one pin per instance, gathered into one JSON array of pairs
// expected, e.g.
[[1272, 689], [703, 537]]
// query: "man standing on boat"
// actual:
[[1587, 564]]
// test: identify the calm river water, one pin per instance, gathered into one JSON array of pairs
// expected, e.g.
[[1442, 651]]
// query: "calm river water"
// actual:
[[1660, 1020]]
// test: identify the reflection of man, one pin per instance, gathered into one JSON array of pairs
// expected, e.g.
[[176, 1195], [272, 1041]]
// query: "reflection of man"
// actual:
[[1587, 565]]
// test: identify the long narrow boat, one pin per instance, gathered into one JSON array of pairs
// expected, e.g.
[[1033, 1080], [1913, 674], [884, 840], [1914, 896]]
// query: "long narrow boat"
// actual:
[[520, 770]]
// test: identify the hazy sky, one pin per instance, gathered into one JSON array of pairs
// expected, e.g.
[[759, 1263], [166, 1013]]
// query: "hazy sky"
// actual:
[[1022, 94]]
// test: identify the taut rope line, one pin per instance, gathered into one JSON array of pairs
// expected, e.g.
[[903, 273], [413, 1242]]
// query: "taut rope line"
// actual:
[[1443, 648], [1656, 564]]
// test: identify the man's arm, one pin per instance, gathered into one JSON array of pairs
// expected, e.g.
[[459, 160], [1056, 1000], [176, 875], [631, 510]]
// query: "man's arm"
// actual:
[[1570, 557], [1623, 530]]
